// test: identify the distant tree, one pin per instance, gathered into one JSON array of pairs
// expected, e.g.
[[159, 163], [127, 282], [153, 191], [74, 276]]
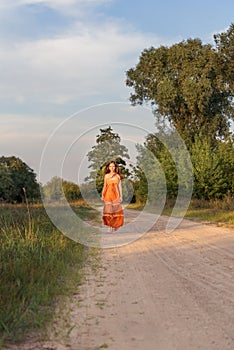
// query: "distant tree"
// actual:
[[108, 147], [57, 189], [53, 189], [71, 190], [6, 184], [15, 175], [184, 84]]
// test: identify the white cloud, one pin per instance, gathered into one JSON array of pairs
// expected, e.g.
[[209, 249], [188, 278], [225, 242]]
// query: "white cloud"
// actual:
[[74, 8], [86, 61], [60, 3], [66, 7]]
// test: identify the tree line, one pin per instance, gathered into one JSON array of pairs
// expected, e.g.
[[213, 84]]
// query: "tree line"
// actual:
[[18, 183], [17, 180], [189, 86]]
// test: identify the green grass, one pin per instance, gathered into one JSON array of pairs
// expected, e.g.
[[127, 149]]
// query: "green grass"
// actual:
[[220, 212], [217, 216], [37, 264]]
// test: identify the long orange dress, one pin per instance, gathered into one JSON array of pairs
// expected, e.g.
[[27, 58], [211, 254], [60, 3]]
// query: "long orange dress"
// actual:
[[112, 212]]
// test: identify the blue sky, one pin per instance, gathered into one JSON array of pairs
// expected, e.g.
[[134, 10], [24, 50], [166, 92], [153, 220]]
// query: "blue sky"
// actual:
[[61, 56]]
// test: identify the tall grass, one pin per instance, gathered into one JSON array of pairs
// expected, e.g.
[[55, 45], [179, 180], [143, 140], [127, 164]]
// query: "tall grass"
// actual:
[[220, 212], [216, 211], [37, 263]]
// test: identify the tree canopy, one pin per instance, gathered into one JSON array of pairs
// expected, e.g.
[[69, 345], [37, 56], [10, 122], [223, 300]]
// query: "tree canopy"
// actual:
[[16, 180], [189, 86], [184, 83], [225, 49], [57, 188], [108, 147]]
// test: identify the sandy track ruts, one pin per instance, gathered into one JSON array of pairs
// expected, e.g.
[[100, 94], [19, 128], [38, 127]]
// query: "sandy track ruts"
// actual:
[[161, 292]]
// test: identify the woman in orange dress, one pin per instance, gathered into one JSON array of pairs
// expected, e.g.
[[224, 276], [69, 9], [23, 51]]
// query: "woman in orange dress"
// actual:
[[113, 216]]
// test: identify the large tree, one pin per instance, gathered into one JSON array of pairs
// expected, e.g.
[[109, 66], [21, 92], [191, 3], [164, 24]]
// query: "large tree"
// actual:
[[184, 84], [225, 48], [17, 179], [6, 183]]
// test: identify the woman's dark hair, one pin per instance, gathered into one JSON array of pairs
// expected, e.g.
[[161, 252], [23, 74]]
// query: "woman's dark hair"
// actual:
[[107, 170]]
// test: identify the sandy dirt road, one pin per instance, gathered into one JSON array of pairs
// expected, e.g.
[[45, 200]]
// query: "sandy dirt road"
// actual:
[[161, 292]]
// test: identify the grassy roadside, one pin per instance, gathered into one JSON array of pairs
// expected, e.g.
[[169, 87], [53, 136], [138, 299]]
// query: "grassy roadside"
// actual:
[[38, 264], [220, 212], [216, 216]]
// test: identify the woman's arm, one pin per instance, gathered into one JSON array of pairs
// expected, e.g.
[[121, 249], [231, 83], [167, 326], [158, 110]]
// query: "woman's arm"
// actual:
[[104, 188], [120, 190]]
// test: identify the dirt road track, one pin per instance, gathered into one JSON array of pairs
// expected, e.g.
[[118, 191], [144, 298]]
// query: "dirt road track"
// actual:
[[161, 292]]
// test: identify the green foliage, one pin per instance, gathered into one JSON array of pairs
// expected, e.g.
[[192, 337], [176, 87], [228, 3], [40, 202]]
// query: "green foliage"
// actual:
[[15, 175], [151, 179], [190, 85], [71, 191], [163, 168], [219, 211], [89, 191], [225, 48], [37, 264], [108, 148], [53, 189], [128, 191], [185, 84], [57, 188], [213, 166], [6, 183]]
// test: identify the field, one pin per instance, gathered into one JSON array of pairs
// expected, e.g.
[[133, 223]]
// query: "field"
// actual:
[[38, 264]]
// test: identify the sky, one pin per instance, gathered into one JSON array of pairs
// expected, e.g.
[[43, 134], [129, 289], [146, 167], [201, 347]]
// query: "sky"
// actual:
[[63, 68]]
